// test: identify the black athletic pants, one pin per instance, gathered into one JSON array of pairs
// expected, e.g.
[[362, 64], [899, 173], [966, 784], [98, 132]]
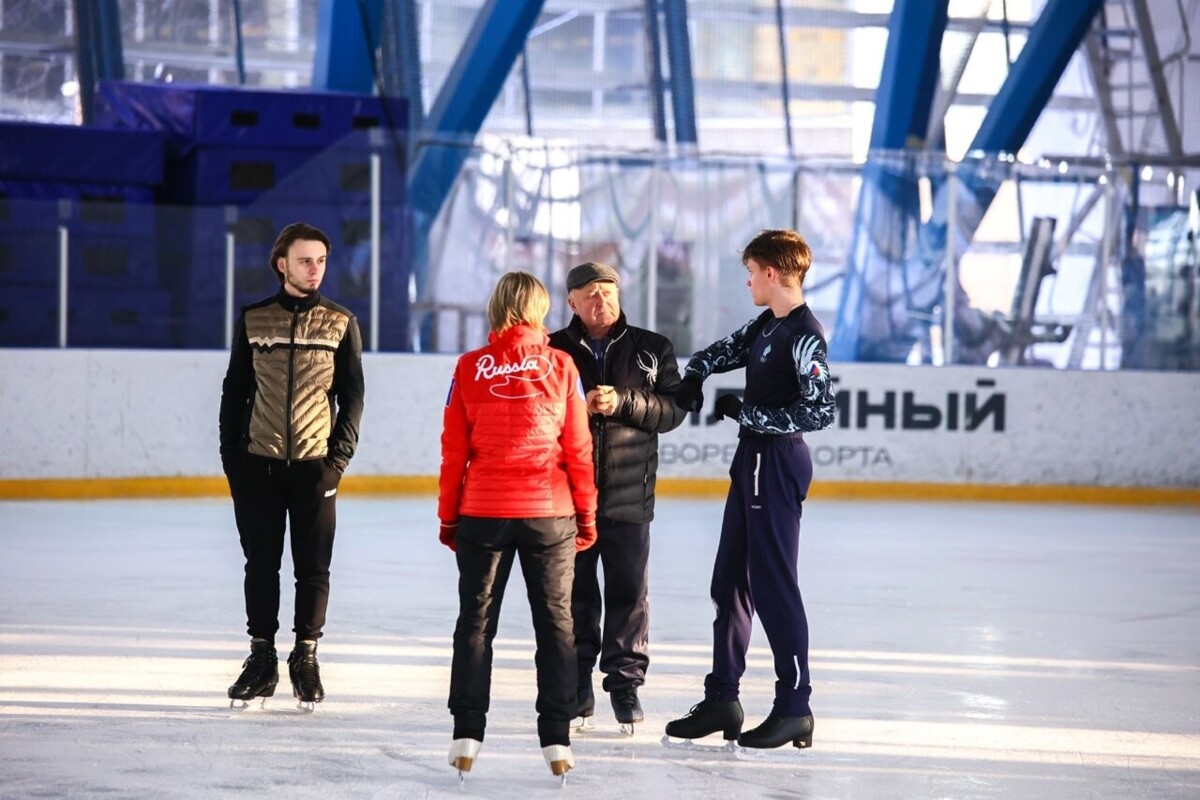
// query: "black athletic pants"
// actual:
[[485, 551], [267, 494], [623, 548]]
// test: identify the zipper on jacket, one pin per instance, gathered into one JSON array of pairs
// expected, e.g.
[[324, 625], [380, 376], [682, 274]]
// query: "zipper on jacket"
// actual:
[[598, 426], [291, 380]]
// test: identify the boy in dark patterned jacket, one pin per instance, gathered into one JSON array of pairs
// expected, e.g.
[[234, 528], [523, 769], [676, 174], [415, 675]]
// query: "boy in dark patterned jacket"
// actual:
[[788, 392]]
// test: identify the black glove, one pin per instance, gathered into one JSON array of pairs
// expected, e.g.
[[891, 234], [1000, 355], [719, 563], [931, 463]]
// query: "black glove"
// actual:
[[727, 405], [688, 396]]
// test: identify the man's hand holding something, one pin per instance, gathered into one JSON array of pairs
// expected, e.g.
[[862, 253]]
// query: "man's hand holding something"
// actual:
[[603, 400]]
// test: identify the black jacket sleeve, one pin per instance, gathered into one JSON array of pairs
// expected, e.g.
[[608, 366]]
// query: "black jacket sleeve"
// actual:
[[654, 411], [237, 391], [349, 391]]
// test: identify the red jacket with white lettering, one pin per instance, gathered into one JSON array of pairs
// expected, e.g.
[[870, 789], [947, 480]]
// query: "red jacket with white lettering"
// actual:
[[515, 438]]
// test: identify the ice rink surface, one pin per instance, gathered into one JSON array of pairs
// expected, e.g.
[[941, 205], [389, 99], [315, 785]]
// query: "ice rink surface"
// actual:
[[958, 651]]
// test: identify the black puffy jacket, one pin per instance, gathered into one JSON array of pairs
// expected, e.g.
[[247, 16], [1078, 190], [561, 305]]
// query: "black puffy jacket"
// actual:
[[641, 365]]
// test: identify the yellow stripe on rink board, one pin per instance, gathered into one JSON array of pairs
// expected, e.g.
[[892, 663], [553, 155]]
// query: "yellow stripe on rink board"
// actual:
[[110, 488], [193, 486], [426, 485]]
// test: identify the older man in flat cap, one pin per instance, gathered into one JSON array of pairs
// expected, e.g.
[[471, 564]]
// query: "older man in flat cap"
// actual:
[[630, 375]]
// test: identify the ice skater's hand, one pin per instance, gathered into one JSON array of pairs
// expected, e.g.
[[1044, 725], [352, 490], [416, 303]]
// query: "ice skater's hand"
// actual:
[[688, 396], [585, 531], [447, 535], [727, 405]]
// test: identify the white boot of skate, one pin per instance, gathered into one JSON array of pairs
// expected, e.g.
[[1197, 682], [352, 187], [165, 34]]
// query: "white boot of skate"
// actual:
[[462, 755], [560, 759]]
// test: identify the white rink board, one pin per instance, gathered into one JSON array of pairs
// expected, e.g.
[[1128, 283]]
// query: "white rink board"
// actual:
[[120, 413], [1057, 428]]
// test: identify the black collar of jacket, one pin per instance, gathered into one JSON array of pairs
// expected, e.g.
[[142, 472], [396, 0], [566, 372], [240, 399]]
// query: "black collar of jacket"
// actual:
[[580, 334], [297, 303]]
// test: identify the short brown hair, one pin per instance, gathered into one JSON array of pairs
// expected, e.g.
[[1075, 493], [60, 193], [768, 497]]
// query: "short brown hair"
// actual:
[[296, 232], [519, 297], [783, 249]]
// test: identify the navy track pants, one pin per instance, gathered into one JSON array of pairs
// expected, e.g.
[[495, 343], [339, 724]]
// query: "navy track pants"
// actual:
[[756, 569]]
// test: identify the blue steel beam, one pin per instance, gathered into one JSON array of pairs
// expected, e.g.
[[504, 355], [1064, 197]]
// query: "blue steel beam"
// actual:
[[347, 35], [400, 58], [889, 201], [679, 56], [98, 50], [877, 263], [466, 96], [658, 110], [1052, 41], [85, 58], [910, 73]]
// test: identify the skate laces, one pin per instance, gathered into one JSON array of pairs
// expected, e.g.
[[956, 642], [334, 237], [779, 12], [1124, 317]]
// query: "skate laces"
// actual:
[[305, 665], [261, 658]]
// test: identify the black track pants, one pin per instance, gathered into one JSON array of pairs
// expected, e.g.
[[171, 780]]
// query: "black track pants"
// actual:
[[267, 495]]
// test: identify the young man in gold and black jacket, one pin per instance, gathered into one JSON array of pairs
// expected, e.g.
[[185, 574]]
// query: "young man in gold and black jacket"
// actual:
[[290, 410]]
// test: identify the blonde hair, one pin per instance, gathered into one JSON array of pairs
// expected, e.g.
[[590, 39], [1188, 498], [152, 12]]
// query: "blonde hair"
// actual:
[[518, 298]]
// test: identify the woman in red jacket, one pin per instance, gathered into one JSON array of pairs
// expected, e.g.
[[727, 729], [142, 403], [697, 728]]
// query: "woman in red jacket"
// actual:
[[516, 480]]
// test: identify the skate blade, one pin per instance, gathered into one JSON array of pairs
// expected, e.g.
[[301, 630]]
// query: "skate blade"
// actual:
[[627, 728], [583, 724], [244, 705], [306, 706], [781, 753], [776, 754], [688, 745]]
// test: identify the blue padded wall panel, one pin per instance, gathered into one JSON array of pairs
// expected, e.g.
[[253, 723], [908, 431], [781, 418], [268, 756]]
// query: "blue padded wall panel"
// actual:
[[90, 209], [96, 317], [74, 154], [229, 175], [28, 258], [28, 316], [113, 262], [191, 115], [137, 318]]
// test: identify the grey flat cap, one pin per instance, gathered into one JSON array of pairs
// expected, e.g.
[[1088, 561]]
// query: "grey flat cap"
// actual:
[[590, 272]]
